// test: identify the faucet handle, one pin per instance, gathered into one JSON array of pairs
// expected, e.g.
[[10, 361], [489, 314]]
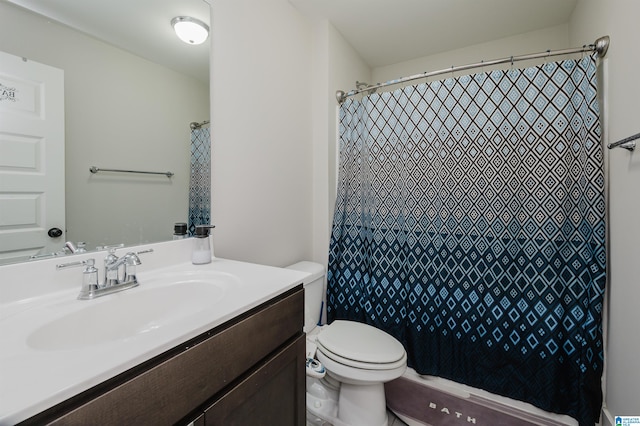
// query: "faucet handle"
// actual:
[[131, 260], [111, 256], [73, 264], [71, 247], [111, 273], [89, 277], [114, 246]]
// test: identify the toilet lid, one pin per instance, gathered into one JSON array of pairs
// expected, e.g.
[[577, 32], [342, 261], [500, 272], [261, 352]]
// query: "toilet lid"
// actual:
[[360, 342]]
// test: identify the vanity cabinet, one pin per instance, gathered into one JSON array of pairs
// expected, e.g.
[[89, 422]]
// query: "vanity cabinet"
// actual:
[[265, 397], [248, 371]]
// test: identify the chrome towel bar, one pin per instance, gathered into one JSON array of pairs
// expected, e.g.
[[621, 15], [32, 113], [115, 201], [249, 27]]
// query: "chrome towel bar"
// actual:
[[626, 143], [94, 169]]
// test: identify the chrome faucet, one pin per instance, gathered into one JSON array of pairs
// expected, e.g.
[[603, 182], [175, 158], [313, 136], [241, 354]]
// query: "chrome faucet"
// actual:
[[112, 269], [122, 270], [119, 274]]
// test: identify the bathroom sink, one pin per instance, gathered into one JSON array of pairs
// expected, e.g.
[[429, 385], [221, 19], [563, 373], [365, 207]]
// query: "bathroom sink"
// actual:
[[159, 302], [55, 347]]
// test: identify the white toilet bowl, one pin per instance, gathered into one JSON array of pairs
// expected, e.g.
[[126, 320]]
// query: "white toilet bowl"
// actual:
[[358, 360], [362, 358]]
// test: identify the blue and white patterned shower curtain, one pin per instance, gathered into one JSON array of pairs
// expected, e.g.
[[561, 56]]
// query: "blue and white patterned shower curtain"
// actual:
[[200, 181], [470, 224]]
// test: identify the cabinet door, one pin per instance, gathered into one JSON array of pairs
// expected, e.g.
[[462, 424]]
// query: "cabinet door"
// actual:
[[198, 422], [180, 383], [274, 394]]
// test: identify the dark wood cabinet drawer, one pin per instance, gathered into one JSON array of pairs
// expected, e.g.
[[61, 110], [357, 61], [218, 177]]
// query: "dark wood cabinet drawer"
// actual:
[[274, 394], [176, 386]]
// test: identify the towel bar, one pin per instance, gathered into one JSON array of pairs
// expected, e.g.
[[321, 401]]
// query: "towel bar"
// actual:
[[94, 169]]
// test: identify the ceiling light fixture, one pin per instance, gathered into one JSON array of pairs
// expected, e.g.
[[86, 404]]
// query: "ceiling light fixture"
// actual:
[[190, 30]]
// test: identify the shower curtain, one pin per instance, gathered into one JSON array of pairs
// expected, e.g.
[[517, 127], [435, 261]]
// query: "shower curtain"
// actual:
[[200, 180], [470, 225]]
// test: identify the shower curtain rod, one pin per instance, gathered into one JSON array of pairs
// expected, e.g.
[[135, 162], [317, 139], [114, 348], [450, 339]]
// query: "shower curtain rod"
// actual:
[[195, 125], [600, 46]]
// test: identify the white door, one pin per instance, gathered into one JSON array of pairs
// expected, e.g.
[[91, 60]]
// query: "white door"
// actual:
[[31, 158]]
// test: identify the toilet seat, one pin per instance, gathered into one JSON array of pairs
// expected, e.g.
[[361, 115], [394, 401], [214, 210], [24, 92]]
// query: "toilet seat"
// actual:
[[361, 346]]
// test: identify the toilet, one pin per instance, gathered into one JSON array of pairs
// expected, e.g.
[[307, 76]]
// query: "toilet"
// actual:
[[347, 363]]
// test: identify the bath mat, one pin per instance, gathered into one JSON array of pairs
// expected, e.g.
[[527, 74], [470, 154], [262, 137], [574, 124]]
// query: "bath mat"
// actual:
[[426, 405]]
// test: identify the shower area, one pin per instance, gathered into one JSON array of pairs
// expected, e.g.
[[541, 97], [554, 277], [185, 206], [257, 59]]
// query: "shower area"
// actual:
[[200, 176], [470, 225]]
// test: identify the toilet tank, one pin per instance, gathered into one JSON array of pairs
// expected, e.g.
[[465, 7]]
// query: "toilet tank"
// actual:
[[313, 292]]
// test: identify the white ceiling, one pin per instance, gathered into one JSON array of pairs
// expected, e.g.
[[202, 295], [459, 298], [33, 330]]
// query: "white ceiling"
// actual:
[[142, 27], [382, 31]]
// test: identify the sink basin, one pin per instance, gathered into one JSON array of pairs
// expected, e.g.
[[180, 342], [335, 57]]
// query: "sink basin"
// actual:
[[55, 347], [159, 302]]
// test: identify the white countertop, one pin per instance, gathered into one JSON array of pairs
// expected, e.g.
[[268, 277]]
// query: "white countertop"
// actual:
[[36, 377]]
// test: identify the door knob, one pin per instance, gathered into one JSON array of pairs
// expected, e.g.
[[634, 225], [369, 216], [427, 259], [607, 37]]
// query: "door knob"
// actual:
[[54, 232]]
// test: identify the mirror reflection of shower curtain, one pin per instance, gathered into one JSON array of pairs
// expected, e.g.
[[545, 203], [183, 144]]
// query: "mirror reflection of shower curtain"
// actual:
[[200, 180]]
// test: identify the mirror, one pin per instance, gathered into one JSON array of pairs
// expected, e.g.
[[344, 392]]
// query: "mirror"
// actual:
[[122, 111]]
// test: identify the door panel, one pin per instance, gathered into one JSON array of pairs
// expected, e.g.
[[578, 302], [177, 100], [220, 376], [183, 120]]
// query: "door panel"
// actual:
[[31, 157]]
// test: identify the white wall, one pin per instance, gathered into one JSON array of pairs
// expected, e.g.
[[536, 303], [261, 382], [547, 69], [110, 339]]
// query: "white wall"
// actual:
[[262, 162], [618, 19], [338, 68], [321, 135], [274, 76], [531, 42], [121, 111]]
